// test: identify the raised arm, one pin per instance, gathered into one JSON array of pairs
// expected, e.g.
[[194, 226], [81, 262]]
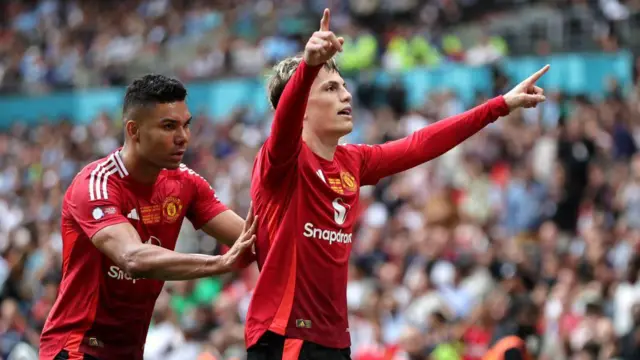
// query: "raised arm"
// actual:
[[286, 131], [432, 141], [122, 244]]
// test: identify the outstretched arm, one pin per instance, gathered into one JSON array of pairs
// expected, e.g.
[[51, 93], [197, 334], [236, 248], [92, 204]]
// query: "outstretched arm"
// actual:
[[122, 244], [428, 143], [432, 141]]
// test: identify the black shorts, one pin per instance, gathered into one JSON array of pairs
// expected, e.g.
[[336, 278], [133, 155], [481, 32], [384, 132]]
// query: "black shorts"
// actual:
[[64, 355], [272, 346]]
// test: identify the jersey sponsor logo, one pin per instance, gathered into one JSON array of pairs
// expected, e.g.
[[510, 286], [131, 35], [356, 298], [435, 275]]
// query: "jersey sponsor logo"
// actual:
[[171, 209], [339, 211], [313, 232], [348, 181], [117, 273]]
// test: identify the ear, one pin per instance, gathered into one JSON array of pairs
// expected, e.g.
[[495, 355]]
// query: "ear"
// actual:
[[132, 129]]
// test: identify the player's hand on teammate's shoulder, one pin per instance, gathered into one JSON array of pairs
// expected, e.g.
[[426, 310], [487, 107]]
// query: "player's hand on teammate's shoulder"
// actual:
[[244, 242], [323, 44], [526, 94]]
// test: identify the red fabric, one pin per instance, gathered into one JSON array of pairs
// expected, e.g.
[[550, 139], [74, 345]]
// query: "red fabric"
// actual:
[[476, 342]]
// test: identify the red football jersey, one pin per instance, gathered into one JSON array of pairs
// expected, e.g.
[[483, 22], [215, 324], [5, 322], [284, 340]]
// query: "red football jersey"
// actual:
[[307, 209], [101, 310]]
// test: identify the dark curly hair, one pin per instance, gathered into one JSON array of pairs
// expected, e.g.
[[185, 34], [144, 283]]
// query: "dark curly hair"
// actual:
[[150, 90]]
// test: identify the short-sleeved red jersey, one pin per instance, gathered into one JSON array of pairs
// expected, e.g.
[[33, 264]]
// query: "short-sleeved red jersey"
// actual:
[[101, 310], [307, 208]]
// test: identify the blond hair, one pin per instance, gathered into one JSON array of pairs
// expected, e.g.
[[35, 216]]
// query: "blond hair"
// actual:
[[282, 73]]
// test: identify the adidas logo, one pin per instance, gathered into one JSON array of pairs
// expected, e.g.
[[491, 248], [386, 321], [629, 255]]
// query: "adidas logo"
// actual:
[[133, 214]]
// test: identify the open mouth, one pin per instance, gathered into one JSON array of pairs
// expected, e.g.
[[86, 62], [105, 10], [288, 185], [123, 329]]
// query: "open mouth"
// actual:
[[346, 111]]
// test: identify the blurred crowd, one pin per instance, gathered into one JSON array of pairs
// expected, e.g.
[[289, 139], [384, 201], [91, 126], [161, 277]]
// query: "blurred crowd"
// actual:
[[49, 45], [61, 44]]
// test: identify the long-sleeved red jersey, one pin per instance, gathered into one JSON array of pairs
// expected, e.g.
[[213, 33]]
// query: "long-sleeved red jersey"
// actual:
[[307, 207]]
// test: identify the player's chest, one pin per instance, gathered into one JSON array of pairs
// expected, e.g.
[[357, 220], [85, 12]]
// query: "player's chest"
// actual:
[[329, 195], [157, 214], [338, 177]]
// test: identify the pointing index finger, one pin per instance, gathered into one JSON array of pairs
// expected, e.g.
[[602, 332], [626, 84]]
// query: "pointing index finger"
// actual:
[[537, 75], [324, 23]]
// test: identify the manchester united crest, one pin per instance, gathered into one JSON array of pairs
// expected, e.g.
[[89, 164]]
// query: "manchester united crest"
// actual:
[[348, 181], [171, 209]]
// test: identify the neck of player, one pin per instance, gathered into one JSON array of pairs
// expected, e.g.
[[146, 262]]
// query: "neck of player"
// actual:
[[138, 169], [323, 146]]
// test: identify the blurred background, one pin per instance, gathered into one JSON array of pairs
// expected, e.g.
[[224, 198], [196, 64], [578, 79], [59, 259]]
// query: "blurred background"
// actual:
[[531, 227]]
